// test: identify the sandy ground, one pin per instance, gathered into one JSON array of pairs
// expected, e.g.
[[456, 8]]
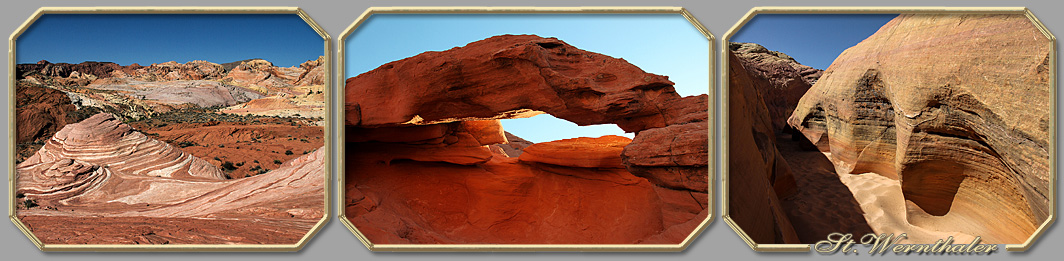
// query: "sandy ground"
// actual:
[[885, 208], [828, 201], [822, 205]]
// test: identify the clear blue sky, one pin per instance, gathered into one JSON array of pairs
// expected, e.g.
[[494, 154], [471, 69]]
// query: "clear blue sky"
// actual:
[[665, 44], [812, 39], [284, 39]]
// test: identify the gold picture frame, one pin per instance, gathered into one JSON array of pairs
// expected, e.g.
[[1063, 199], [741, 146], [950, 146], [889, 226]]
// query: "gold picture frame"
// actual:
[[170, 10], [878, 10], [519, 10]]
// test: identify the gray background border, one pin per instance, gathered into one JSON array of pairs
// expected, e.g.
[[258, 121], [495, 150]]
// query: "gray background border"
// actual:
[[334, 241]]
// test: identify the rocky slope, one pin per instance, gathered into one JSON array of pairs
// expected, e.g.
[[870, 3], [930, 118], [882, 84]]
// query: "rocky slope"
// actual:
[[954, 110], [100, 172], [251, 87], [427, 161]]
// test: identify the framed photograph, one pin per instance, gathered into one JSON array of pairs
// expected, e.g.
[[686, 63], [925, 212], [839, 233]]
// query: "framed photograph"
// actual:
[[562, 129], [169, 129], [931, 129]]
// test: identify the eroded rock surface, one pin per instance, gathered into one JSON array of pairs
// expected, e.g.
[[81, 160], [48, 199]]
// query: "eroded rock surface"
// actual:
[[506, 77], [955, 108], [428, 163], [755, 165], [783, 79], [101, 172]]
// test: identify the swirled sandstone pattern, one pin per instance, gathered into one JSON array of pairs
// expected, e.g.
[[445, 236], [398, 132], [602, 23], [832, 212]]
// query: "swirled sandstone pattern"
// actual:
[[101, 172], [955, 108]]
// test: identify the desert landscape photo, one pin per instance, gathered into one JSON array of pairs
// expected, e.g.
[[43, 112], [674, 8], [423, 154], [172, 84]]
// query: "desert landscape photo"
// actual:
[[131, 136], [932, 125], [515, 134]]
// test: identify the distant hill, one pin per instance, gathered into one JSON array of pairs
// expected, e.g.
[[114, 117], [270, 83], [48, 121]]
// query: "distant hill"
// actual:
[[230, 65]]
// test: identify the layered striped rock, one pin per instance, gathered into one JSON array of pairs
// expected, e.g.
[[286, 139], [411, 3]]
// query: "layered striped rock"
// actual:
[[954, 108], [100, 167], [103, 140]]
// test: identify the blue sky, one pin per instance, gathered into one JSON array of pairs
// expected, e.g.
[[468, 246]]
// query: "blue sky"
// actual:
[[812, 39], [284, 39], [665, 44]]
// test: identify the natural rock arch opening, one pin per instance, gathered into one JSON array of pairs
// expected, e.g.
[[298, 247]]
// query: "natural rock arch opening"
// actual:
[[431, 122]]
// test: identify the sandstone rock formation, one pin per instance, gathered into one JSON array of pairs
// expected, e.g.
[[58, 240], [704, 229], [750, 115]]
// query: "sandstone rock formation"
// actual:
[[41, 112], [781, 189], [102, 173], [787, 80], [427, 161], [755, 165], [530, 75], [201, 93], [253, 86], [954, 108], [103, 140], [63, 70]]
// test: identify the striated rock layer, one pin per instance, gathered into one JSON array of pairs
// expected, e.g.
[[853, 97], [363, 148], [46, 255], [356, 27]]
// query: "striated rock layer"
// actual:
[[100, 172], [954, 108], [105, 141], [428, 163]]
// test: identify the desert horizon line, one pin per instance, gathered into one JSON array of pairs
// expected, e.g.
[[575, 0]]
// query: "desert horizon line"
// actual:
[[156, 63]]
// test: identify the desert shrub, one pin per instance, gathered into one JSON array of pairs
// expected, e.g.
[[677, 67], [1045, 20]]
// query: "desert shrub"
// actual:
[[278, 162], [228, 166], [29, 203], [288, 152]]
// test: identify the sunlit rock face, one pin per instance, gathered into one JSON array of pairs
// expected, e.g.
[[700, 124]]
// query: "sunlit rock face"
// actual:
[[101, 172], [956, 108], [427, 161], [509, 76]]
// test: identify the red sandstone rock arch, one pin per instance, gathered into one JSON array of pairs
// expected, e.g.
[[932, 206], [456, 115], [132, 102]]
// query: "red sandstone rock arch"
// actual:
[[450, 101]]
